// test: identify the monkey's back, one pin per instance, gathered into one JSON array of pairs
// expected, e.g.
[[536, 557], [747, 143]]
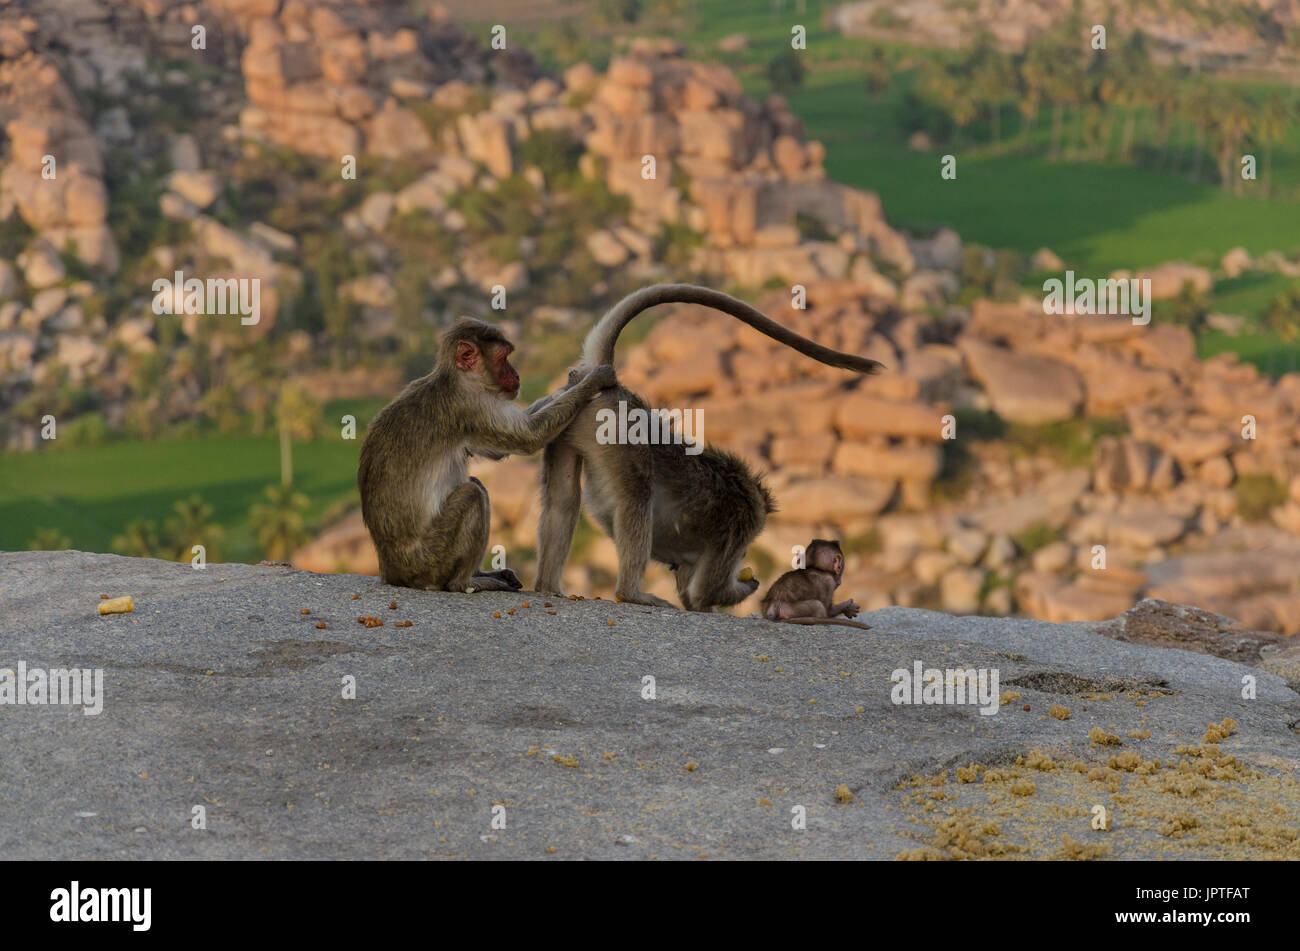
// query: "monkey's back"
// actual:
[[801, 584], [714, 494], [396, 463]]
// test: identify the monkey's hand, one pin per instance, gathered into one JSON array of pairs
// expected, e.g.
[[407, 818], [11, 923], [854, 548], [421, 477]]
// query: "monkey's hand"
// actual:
[[600, 378], [848, 608]]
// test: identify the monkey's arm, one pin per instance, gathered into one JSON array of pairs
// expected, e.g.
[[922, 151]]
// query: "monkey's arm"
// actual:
[[848, 608], [514, 431], [575, 377]]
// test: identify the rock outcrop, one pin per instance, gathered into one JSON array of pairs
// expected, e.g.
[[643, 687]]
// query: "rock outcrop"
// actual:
[[218, 675]]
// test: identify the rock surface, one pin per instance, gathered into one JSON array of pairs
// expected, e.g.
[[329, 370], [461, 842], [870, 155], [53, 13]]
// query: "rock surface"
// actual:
[[219, 692]]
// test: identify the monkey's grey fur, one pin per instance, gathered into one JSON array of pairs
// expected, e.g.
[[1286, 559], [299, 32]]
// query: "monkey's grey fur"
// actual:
[[697, 513]]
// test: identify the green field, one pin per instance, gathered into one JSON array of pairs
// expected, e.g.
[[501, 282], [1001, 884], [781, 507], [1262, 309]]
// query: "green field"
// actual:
[[1097, 216], [90, 493]]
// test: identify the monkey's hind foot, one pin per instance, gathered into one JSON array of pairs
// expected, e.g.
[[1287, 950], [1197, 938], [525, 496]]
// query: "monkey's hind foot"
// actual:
[[649, 600], [502, 580]]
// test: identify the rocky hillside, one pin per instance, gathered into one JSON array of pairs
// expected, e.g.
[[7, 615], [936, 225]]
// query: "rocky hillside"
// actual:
[[381, 172], [377, 173]]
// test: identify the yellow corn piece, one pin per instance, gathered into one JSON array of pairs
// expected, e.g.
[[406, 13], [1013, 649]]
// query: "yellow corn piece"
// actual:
[[747, 573], [117, 605]]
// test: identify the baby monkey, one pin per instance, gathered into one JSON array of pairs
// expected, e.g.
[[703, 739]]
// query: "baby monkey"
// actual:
[[806, 595]]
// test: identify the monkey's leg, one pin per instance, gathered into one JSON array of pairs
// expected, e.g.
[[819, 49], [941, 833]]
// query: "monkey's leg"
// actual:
[[628, 473], [454, 545], [633, 535], [788, 610], [561, 505], [714, 583]]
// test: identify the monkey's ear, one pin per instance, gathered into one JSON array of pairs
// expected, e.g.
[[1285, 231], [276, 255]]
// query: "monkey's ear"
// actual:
[[466, 355]]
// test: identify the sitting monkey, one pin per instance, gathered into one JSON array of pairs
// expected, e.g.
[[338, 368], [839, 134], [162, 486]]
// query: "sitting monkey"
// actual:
[[428, 517], [806, 595]]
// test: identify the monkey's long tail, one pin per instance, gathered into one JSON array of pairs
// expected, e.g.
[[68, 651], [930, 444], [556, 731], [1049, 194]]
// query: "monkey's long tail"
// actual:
[[599, 345], [845, 622]]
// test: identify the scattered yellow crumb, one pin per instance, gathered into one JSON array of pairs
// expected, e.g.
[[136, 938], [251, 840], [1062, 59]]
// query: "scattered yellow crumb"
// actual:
[[1081, 851], [843, 794], [1178, 823], [122, 605], [570, 760], [1218, 732], [1058, 712]]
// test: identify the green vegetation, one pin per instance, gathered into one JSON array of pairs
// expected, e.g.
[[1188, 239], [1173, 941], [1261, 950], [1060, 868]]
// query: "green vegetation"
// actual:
[[279, 523], [785, 72], [84, 497], [1257, 495], [49, 539], [1036, 536], [1070, 441], [870, 542]]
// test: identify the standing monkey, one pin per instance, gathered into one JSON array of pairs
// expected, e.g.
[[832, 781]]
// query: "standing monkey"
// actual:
[[429, 520], [697, 513], [806, 595]]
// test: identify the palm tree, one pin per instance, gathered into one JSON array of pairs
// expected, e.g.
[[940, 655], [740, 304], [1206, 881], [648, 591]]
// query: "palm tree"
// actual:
[[1196, 104], [297, 414], [991, 78], [1032, 73], [278, 524], [192, 525], [878, 72], [49, 539], [1132, 84], [1228, 123], [250, 375], [948, 87], [1062, 83], [1165, 95], [1283, 315], [139, 540], [1272, 120]]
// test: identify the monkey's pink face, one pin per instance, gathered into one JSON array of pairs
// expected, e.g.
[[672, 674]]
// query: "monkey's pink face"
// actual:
[[494, 363]]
